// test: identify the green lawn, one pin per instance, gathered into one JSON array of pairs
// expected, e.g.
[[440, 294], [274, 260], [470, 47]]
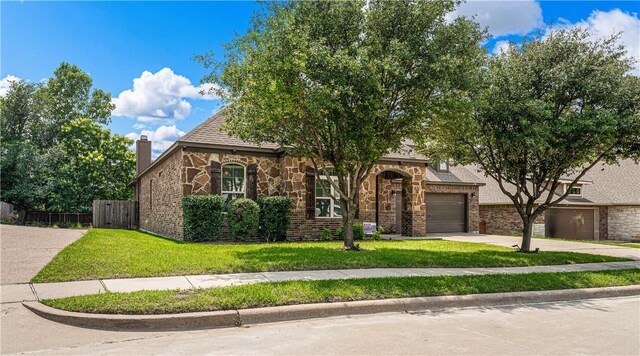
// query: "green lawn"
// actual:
[[300, 292], [104, 253]]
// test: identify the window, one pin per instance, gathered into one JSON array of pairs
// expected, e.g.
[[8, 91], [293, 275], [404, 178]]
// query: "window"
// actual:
[[576, 191], [326, 207], [443, 166], [233, 181]]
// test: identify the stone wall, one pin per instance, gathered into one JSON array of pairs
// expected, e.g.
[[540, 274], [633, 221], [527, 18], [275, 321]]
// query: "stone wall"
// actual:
[[603, 216], [503, 220], [414, 213], [160, 198], [624, 223], [472, 193], [188, 172], [196, 175]]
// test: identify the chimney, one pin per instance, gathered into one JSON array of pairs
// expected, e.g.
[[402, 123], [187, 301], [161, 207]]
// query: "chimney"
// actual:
[[143, 154]]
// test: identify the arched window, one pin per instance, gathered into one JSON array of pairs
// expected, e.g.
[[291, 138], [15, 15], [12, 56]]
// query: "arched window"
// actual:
[[233, 181]]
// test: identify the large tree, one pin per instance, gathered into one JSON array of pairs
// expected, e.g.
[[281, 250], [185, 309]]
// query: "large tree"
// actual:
[[342, 83], [55, 155], [546, 111]]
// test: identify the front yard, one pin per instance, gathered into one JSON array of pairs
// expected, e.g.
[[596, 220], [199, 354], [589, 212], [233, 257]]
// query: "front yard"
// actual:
[[300, 292], [104, 253]]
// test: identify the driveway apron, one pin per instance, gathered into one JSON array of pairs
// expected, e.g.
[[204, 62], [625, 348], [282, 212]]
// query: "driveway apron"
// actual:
[[26, 250]]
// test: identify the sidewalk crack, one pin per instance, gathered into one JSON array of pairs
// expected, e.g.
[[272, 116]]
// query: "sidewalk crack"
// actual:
[[103, 285], [33, 290]]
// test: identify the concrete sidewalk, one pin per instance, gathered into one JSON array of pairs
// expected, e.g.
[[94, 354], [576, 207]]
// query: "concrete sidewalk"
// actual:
[[31, 292]]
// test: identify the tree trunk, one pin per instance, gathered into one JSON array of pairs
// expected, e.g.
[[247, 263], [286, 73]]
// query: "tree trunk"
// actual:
[[527, 233], [348, 217]]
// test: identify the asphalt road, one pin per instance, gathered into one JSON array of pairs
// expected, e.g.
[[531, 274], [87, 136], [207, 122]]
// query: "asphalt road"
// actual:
[[597, 327]]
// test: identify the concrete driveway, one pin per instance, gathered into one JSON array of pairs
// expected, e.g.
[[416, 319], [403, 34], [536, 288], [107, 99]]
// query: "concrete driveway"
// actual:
[[546, 244], [25, 250]]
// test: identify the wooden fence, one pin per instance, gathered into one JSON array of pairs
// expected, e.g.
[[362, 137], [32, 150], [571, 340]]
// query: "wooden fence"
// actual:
[[6, 210], [115, 214], [34, 217]]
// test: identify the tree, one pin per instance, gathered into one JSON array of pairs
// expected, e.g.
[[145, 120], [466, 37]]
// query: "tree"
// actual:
[[97, 165], [550, 110], [342, 83], [68, 96], [19, 111], [55, 155]]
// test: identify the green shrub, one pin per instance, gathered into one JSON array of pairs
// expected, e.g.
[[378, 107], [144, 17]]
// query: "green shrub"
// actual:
[[202, 216], [377, 235], [275, 217], [243, 218], [326, 235], [358, 232], [340, 232]]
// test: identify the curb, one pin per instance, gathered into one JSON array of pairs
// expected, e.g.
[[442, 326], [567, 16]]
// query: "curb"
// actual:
[[231, 318]]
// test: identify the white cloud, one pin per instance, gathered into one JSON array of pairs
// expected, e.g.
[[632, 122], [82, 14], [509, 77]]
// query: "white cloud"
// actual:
[[502, 17], [161, 138], [499, 47], [159, 97], [601, 25], [6, 82]]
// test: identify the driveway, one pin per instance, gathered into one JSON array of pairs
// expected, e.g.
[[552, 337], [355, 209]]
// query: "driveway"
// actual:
[[25, 250], [546, 244]]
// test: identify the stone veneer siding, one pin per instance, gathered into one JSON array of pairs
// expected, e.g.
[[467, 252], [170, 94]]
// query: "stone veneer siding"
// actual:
[[187, 171], [624, 222], [161, 209]]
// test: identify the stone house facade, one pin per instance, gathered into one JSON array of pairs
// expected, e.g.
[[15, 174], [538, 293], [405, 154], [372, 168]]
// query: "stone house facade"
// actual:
[[395, 195], [605, 206]]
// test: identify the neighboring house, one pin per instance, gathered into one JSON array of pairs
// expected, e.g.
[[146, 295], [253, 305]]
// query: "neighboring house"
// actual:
[[605, 205], [404, 193]]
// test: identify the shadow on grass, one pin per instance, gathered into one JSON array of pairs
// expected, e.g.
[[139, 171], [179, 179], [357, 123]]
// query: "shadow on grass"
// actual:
[[310, 258]]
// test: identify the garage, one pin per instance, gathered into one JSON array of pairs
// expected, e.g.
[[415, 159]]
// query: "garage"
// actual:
[[574, 224], [446, 212]]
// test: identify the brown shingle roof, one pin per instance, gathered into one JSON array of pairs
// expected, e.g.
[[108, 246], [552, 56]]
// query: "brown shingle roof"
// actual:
[[617, 184], [456, 175], [209, 133]]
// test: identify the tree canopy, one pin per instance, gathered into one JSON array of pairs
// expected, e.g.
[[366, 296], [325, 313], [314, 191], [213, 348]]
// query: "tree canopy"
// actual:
[[55, 154], [342, 83], [550, 109]]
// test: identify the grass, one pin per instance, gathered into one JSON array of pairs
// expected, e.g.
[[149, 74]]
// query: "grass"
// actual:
[[301, 292], [104, 253]]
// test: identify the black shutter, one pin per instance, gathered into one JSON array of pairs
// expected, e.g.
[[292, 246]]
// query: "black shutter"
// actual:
[[310, 196], [252, 181], [216, 178]]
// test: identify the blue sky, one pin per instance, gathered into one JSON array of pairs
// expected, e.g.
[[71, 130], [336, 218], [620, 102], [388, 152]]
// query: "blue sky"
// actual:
[[154, 42]]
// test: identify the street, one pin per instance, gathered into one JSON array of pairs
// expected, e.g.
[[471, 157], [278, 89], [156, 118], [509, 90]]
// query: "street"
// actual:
[[597, 327]]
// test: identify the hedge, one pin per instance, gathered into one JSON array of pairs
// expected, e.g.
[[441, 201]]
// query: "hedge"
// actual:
[[202, 216], [243, 218], [275, 217]]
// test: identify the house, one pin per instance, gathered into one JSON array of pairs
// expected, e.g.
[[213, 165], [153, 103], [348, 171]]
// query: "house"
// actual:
[[604, 205], [405, 193]]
